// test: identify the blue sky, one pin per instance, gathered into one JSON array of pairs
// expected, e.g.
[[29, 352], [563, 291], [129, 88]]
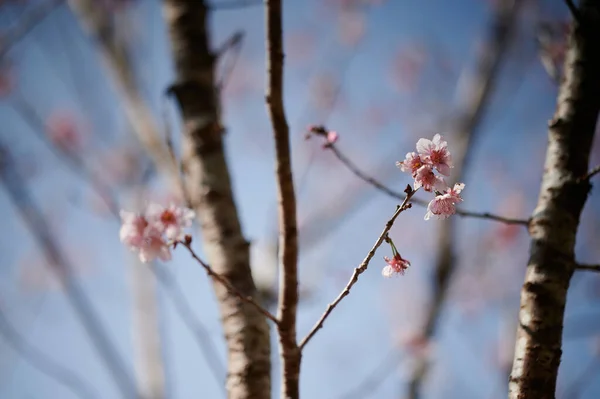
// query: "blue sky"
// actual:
[[58, 69]]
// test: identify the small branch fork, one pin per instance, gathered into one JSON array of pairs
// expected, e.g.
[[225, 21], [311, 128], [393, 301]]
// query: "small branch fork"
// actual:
[[394, 194], [361, 268], [221, 279], [591, 173]]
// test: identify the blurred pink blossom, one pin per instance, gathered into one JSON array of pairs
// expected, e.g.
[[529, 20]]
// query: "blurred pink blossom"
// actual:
[[301, 47], [443, 206], [63, 131], [150, 233], [6, 80]]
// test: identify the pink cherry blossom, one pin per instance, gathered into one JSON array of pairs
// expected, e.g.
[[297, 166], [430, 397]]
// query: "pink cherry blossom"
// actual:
[[424, 177], [132, 229], [154, 246], [411, 163], [395, 265], [444, 206], [170, 220], [436, 153]]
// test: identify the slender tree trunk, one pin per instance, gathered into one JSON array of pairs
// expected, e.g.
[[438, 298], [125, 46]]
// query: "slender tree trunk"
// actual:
[[286, 198], [474, 104], [556, 218], [209, 189]]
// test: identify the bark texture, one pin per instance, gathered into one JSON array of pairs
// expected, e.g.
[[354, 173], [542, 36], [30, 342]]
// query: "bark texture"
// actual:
[[208, 187], [477, 93], [288, 231], [556, 218]]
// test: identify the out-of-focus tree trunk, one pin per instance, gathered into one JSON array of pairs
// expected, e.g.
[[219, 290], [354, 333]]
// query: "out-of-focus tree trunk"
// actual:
[[150, 371], [555, 220], [208, 186], [97, 21], [473, 105]]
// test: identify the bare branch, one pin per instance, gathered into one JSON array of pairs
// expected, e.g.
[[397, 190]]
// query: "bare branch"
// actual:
[[359, 270], [574, 10], [234, 43], [556, 218], [43, 362], [59, 264], [288, 230], [592, 173], [395, 194], [589, 268], [222, 280], [27, 22]]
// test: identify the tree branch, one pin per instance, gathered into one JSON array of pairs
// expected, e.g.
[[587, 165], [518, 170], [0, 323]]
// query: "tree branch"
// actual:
[[395, 194], [222, 280], [555, 220], [44, 363], [589, 268], [594, 171], [26, 23], [77, 298], [574, 10], [288, 231], [208, 185], [359, 270]]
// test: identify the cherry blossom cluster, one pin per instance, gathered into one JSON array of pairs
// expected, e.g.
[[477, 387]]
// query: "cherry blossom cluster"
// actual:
[[433, 155], [153, 232]]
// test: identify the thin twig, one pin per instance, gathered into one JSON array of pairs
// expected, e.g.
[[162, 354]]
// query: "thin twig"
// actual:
[[359, 270], [395, 194], [589, 268], [216, 276], [27, 22], [592, 173], [574, 10], [43, 362], [234, 43], [286, 197]]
